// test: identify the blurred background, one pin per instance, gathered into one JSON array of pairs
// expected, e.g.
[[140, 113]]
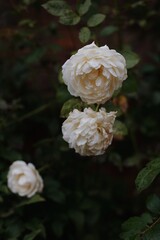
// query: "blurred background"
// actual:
[[84, 198]]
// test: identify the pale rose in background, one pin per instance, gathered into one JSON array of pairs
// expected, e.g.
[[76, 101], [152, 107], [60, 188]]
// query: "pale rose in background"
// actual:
[[24, 179], [94, 73], [89, 132]]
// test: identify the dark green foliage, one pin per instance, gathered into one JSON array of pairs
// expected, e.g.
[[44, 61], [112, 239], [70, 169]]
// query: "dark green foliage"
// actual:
[[95, 19], [146, 226], [84, 34], [133, 226], [153, 234], [120, 128], [70, 105], [69, 18], [148, 174], [84, 7], [153, 204], [57, 8], [132, 58], [62, 10]]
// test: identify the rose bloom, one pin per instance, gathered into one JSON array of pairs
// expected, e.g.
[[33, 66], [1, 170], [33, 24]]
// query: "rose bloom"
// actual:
[[89, 132], [24, 179], [94, 73]]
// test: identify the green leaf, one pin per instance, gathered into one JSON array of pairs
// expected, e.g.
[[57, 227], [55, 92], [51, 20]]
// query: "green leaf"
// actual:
[[62, 9], [148, 174], [56, 7], [130, 86], [27, 22], [84, 7], [69, 17], [62, 94], [132, 59], [153, 233], [35, 199], [108, 30], [153, 204], [36, 224], [119, 128], [96, 19], [109, 106], [138, 4], [70, 105], [134, 226], [60, 78], [84, 34]]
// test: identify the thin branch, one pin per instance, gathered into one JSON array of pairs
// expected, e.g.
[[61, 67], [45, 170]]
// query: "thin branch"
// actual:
[[150, 227]]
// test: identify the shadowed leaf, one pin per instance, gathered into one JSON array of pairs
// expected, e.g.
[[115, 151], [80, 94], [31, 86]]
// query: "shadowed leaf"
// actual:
[[148, 174], [96, 19], [84, 7], [84, 34]]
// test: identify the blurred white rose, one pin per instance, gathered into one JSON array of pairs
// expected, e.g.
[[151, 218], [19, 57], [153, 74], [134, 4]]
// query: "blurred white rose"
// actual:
[[89, 132], [94, 73], [24, 179]]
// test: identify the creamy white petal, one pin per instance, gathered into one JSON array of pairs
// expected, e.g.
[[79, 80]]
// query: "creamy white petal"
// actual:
[[90, 132], [24, 179], [90, 69]]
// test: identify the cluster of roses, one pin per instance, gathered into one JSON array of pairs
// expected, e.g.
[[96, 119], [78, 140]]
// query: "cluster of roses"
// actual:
[[93, 74]]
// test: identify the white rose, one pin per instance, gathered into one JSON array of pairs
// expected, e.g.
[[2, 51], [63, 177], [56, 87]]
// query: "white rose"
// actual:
[[24, 179], [94, 73], [89, 132]]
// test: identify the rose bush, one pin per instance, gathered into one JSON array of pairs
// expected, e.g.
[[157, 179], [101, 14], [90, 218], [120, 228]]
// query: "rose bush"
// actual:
[[24, 179], [94, 73], [89, 132]]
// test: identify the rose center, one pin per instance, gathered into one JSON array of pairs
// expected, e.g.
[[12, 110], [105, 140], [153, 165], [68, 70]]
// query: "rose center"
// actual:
[[93, 79]]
